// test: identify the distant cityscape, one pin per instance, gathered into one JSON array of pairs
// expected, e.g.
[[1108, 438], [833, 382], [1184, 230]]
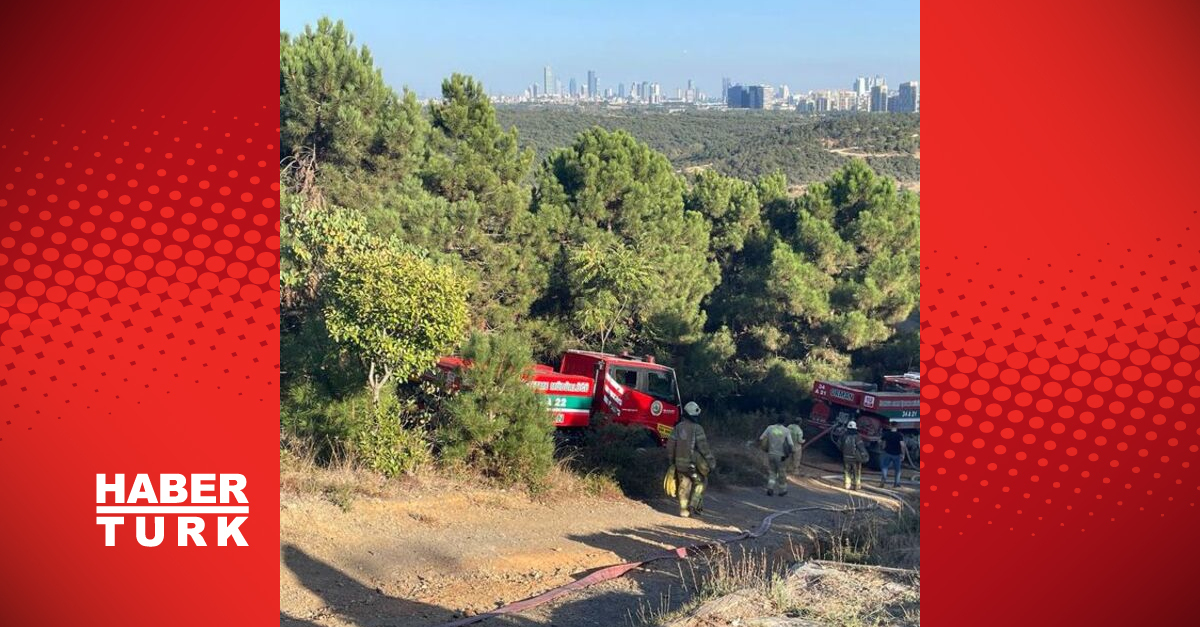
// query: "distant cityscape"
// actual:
[[864, 94]]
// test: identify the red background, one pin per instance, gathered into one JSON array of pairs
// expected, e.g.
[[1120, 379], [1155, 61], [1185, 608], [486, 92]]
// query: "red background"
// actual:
[[1059, 298], [138, 311]]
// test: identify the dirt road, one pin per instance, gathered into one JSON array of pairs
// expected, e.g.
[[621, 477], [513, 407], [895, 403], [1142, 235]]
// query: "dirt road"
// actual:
[[432, 556]]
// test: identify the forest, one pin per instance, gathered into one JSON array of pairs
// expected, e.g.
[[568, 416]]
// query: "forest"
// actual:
[[744, 143], [412, 230]]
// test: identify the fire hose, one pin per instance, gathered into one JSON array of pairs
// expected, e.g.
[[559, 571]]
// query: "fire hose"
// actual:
[[608, 573]]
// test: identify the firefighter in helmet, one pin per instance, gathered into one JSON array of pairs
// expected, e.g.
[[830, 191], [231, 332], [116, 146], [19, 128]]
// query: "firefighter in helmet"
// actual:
[[687, 449], [854, 454]]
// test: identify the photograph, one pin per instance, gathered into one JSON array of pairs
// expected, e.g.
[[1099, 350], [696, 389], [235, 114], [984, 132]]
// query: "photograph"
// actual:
[[575, 313], [599, 314]]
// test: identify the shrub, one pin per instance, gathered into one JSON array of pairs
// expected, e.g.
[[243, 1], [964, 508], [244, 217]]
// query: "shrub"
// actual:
[[625, 454], [382, 444], [497, 423]]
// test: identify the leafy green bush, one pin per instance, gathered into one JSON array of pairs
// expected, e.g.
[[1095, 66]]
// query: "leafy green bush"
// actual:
[[497, 423], [383, 444]]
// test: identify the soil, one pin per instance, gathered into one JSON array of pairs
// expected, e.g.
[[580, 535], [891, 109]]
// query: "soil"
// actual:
[[436, 554]]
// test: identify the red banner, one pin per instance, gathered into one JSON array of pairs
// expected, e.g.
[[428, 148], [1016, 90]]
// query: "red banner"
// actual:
[[1058, 306], [138, 314]]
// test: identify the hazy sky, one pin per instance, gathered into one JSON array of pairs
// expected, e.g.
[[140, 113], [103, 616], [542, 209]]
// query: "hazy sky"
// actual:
[[506, 43]]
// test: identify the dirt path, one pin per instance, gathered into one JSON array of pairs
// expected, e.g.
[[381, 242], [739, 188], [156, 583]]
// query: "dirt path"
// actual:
[[431, 557], [855, 152]]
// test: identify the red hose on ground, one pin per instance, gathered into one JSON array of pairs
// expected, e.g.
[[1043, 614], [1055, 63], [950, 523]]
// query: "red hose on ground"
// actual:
[[612, 572]]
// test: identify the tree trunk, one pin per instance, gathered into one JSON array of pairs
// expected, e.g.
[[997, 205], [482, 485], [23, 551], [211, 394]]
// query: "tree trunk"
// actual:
[[376, 383]]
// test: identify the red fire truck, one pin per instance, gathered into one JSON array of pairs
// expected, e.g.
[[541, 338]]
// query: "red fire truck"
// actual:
[[590, 386], [838, 402]]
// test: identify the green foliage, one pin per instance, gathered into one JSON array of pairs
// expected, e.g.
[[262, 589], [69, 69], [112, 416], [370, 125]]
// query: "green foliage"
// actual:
[[730, 205], [335, 104], [484, 222], [498, 424], [608, 280], [629, 252], [743, 144], [832, 272], [395, 311], [383, 444]]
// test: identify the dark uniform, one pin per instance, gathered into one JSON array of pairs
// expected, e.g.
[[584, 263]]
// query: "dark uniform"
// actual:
[[854, 453]]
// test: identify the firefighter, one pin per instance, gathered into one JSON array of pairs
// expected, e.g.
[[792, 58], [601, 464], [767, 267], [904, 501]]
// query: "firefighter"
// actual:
[[776, 441], [687, 449], [854, 453], [798, 441]]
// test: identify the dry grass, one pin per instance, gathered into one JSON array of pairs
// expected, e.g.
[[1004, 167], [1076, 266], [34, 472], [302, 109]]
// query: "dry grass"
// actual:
[[734, 586], [342, 481]]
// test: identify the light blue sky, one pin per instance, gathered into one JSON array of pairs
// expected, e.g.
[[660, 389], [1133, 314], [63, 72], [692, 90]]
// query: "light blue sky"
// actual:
[[506, 43]]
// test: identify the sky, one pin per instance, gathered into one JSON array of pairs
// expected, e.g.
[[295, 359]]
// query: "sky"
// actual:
[[507, 43]]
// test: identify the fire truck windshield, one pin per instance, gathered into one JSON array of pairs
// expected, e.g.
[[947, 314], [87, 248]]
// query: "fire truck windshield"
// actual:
[[661, 385]]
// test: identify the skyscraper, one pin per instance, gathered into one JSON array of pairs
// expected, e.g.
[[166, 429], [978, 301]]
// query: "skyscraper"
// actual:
[[573, 88], [621, 90], [593, 84], [757, 96], [860, 86], [547, 80], [879, 98], [725, 83], [736, 97], [909, 99]]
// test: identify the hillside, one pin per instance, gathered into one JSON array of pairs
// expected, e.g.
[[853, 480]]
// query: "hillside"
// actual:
[[745, 144]]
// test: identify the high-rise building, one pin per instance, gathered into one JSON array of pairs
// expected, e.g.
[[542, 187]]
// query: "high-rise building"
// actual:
[[621, 90], [572, 87], [655, 93], [860, 86], [909, 98], [879, 98], [736, 97], [725, 84], [747, 96], [593, 84], [757, 96], [644, 91], [824, 102], [547, 80]]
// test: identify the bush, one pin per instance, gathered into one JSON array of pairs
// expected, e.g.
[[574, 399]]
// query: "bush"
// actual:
[[625, 454], [497, 423], [382, 444]]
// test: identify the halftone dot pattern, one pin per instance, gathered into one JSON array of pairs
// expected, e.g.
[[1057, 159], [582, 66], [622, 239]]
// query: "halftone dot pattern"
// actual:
[[1057, 399], [128, 272]]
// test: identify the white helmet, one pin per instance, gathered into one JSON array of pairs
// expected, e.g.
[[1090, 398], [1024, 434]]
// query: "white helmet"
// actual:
[[852, 425], [691, 409]]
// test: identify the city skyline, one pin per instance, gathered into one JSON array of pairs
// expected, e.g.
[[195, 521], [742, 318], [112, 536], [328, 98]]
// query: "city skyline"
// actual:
[[806, 45], [865, 93]]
